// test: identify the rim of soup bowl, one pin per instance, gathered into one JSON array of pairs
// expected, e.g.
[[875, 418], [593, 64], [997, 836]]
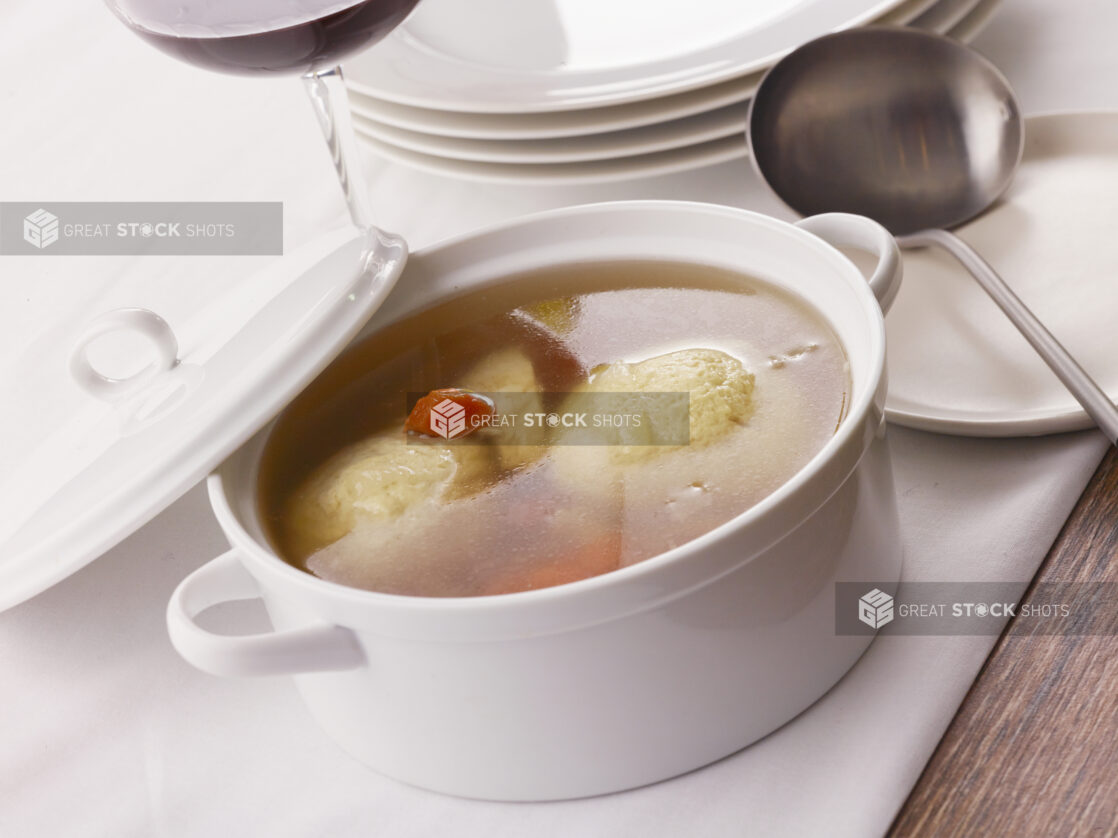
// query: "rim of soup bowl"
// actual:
[[610, 595]]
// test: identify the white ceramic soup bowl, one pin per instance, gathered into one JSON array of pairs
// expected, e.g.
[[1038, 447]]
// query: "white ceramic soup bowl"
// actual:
[[622, 679]]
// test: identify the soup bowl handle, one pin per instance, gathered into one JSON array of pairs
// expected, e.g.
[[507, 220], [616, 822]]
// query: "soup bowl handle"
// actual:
[[846, 230], [318, 648]]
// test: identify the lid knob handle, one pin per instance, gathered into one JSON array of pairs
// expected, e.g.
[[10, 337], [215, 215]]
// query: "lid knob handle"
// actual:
[[146, 323]]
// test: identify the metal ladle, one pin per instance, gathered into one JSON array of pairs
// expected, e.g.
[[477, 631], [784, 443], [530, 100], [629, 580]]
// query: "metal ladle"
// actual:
[[915, 131]]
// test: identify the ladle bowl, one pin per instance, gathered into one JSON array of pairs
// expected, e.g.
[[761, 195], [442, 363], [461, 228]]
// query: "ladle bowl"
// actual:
[[915, 131]]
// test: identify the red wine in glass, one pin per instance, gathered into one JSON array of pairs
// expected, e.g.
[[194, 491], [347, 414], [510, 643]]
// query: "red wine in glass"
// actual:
[[254, 37], [297, 47]]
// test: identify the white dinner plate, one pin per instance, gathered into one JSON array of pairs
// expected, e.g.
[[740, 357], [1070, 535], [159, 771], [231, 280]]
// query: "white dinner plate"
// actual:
[[610, 169], [546, 174], [496, 56], [545, 126], [692, 130], [956, 364], [932, 15]]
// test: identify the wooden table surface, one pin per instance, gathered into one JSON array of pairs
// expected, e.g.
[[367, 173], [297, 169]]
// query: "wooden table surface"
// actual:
[[1033, 749]]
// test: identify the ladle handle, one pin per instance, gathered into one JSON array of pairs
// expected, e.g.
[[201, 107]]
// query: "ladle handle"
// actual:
[[1097, 404]]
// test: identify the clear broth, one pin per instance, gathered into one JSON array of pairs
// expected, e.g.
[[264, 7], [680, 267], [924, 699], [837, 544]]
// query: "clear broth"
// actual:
[[562, 515]]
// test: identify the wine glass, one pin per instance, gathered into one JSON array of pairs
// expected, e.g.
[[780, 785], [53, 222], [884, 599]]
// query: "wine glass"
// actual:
[[266, 37]]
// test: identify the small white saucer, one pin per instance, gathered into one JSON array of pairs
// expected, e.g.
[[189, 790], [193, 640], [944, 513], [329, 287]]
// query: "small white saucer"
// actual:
[[956, 364]]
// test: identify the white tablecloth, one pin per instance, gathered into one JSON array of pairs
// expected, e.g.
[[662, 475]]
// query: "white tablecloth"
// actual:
[[105, 731]]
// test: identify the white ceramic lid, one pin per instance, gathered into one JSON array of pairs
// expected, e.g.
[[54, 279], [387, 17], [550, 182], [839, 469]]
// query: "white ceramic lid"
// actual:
[[136, 444]]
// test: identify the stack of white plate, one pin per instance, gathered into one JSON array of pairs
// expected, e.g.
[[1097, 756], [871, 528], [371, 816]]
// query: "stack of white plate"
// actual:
[[538, 91]]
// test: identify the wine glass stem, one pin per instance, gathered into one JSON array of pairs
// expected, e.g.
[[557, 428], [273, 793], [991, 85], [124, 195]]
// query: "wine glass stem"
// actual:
[[327, 92]]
